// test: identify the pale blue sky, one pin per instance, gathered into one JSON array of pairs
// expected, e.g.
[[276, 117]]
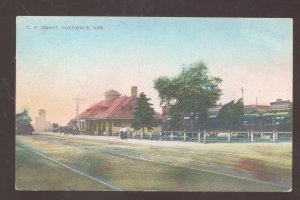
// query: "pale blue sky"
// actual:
[[54, 66]]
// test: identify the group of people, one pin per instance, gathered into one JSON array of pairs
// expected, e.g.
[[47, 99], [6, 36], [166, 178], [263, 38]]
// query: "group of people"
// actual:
[[123, 133], [75, 131], [69, 130]]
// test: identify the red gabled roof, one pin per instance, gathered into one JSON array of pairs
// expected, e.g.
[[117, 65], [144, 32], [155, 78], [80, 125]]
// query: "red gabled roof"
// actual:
[[125, 109], [121, 107]]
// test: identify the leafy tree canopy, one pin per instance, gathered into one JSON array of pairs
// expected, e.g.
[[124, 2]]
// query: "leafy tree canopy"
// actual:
[[231, 114], [191, 93], [144, 113], [176, 119]]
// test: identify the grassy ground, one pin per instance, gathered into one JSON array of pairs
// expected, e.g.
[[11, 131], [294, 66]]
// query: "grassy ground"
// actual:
[[34, 172], [141, 167]]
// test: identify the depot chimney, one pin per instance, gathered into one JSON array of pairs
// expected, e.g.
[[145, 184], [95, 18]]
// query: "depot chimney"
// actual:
[[134, 91]]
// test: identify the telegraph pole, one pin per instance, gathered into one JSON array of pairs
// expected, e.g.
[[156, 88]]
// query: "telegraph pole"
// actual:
[[243, 94], [77, 108]]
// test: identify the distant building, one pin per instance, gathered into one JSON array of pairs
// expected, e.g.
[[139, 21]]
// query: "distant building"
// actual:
[[268, 118], [188, 122], [257, 107], [41, 124], [279, 104], [107, 116]]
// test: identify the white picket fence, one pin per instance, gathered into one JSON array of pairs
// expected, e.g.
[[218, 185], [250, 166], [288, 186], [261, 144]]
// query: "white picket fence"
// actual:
[[214, 137]]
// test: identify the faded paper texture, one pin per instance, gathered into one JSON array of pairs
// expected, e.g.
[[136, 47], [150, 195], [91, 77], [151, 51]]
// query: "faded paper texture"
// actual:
[[154, 104]]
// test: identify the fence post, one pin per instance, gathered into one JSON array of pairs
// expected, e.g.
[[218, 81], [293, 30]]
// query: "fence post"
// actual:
[[229, 135], [171, 135], [141, 135], [160, 133], [274, 138], [150, 135], [165, 135], [199, 136], [133, 134], [184, 135], [252, 139], [261, 135], [276, 135], [204, 137]]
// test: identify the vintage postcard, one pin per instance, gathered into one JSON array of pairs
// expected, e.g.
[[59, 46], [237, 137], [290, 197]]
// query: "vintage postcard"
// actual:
[[154, 104]]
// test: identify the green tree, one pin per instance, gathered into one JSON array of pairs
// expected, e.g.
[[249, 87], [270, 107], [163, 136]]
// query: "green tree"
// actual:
[[176, 119], [191, 93], [287, 123], [143, 114], [231, 114]]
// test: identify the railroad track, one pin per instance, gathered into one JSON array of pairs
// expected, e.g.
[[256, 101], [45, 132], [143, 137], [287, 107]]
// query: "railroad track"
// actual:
[[160, 159], [72, 169], [205, 160]]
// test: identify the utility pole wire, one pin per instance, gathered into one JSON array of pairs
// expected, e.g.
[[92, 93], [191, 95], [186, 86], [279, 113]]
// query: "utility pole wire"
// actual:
[[77, 108], [243, 95]]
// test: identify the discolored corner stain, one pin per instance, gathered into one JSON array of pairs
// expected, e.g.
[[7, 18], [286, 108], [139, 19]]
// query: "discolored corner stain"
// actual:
[[256, 168], [105, 167], [99, 168], [177, 176]]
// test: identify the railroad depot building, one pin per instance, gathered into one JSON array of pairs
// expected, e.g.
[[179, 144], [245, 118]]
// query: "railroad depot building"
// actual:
[[107, 116]]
